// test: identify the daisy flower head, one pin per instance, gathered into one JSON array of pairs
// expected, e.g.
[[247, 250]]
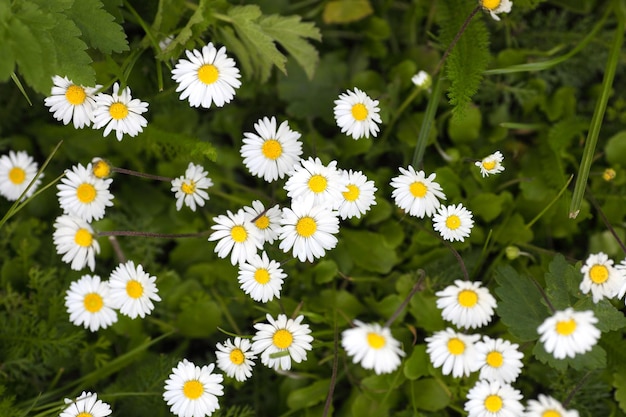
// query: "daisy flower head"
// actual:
[[208, 77], [261, 278], [466, 304], [500, 359], [270, 153], [235, 359], [89, 304], [453, 222], [359, 196], [422, 80], [495, 7], [601, 278], [192, 391], [191, 187], [266, 220], [282, 340], [75, 240], [491, 164], [454, 352], [373, 346], [119, 112], [569, 332], [236, 236], [414, 193], [84, 195], [68, 101], [17, 170], [133, 290], [546, 406], [101, 168], [357, 114], [86, 405], [493, 399], [308, 231], [316, 183]]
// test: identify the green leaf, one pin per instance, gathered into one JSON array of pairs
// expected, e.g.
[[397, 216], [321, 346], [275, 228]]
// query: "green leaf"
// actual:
[[198, 318], [619, 382], [346, 11], [430, 394], [196, 25], [416, 366], [465, 127], [168, 15], [488, 206], [98, 27], [325, 271], [368, 250], [308, 396], [616, 149], [562, 282], [427, 316], [609, 318], [594, 359]]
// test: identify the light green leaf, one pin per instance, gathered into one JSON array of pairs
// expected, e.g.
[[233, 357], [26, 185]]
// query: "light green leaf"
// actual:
[[488, 206], [199, 318], [430, 394], [368, 250], [417, 364], [346, 11], [619, 382], [98, 27], [325, 271], [308, 396], [427, 316], [616, 149]]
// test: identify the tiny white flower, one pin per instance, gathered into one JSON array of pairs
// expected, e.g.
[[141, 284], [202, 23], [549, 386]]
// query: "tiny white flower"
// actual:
[[191, 187], [500, 359], [372, 346], [282, 340], [414, 193], [493, 399], [133, 290], [119, 112], [84, 195], [192, 391], [453, 222], [68, 101], [422, 80], [491, 164], [17, 170], [357, 114], [454, 352], [236, 236], [74, 239], [261, 278], [316, 183], [359, 196], [86, 405], [601, 278], [466, 304], [267, 221], [88, 302], [235, 358], [568, 333], [546, 406], [495, 7]]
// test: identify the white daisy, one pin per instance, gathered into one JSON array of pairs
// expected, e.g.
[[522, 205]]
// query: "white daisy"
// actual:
[[492, 399], [17, 170], [453, 222], [100, 168], [190, 188], [75, 240], [466, 304], [69, 101], [308, 231], [133, 290], [601, 278], [357, 114], [454, 352], [316, 183], [422, 80], [282, 340], [495, 7], [491, 164], [547, 406], [86, 405], [500, 359], [373, 346], [621, 267], [237, 236], [359, 196], [267, 221], [414, 193], [209, 76], [271, 153], [191, 391], [88, 302], [84, 195], [261, 278], [119, 112], [569, 332], [235, 359]]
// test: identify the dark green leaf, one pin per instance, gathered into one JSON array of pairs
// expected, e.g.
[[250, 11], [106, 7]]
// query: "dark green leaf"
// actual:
[[562, 282], [98, 27], [369, 250], [308, 396], [594, 359], [416, 365], [430, 394]]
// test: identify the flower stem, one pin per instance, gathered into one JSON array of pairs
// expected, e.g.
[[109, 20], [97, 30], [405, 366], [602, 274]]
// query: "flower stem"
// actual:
[[606, 221], [140, 174], [417, 287], [150, 234]]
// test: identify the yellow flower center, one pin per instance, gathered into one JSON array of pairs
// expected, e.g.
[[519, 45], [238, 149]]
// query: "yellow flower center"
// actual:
[[490, 4], [83, 238], [609, 174], [359, 112], [272, 149], [493, 403], [93, 302], [318, 183], [75, 95], [208, 74], [17, 175], [134, 289], [551, 413], [306, 226], [193, 389], [599, 274], [239, 234], [495, 359], [566, 327], [101, 169], [86, 193], [188, 187], [489, 165], [118, 111], [456, 346], [375, 340], [282, 338], [262, 276], [262, 222], [453, 222], [236, 356], [85, 414], [352, 194], [468, 298], [418, 189]]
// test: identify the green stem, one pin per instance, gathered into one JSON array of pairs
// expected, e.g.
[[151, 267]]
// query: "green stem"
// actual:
[[429, 118], [150, 234], [140, 174], [550, 204]]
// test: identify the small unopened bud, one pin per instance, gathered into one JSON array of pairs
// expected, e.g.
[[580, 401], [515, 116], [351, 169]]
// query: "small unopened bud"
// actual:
[[422, 80], [512, 252], [609, 174], [100, 168]]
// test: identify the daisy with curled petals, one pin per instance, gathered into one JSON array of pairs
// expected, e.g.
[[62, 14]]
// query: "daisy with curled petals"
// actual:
[[266, 220], [568, 333], [493, 399], [495, 7], [546, 406], [270, 153], [454, 352], [89, 304], [601, 278], [466, 304], [235, 359], [192, 391], [359, 196], [190, 188], [75, 240], [133, 290], [69, 101], [414, 193], [316, 183], [282, 340], [83, 195], [119, 112], [100, 168], [308, 231], [17, 170], [500, 359], [261, 278], [86, 405], [373, 346], [236, 236], [209, 76], [357, 114], [491, 164], [453, 222]]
